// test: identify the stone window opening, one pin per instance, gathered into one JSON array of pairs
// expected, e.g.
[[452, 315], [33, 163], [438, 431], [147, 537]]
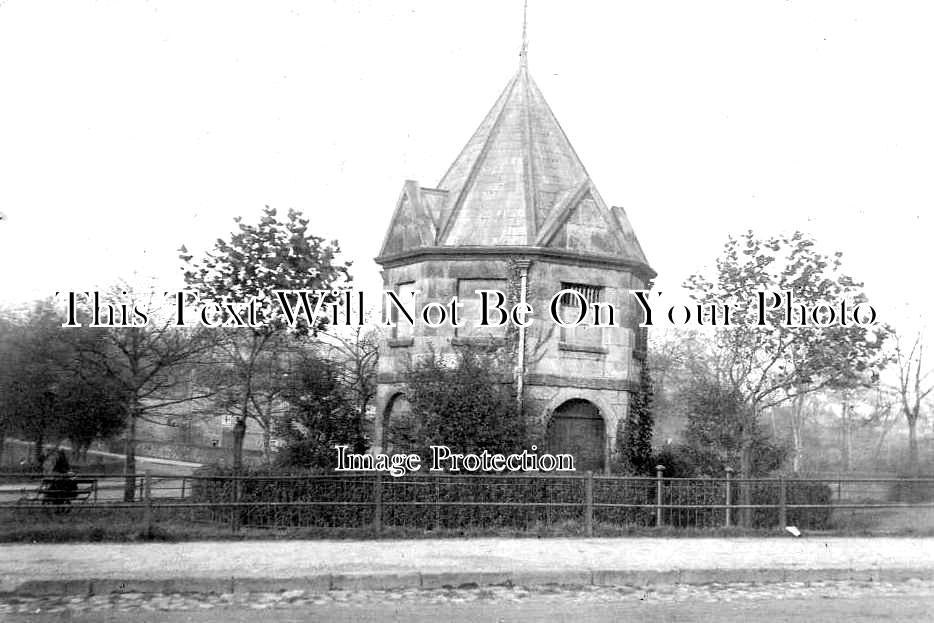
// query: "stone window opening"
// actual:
[[403, 332], [584, 337], [591, 294]]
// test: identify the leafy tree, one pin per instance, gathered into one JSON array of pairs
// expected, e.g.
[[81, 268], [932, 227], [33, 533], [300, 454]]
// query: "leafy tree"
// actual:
[[90, 409], [327, 390], [257, 260], [36, 363], [675, 357], [717, 429], [461, 403], [770, 364], [47, 393], [6, 369], [321, 416], [767, 365]]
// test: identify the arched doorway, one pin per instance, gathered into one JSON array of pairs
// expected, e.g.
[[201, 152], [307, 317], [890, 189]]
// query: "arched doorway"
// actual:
[[577, 429], [397, 425]]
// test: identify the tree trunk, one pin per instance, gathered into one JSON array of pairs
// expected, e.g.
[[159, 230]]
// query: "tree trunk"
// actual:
[[745, 472], [365, 427], [129, 460], [239, 429], [39, 450], [239, 432], [845, 435], [267, 437], [913, 466], [879, 444], [796, 458], [797, 423]]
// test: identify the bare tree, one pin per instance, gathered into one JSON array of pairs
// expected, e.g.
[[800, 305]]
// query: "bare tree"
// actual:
[[884, 415], [915, 384], [355, 355], [151, 364], [265, 366]]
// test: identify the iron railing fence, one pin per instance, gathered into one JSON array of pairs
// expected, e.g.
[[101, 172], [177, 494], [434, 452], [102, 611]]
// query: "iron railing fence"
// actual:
[[444, 501]]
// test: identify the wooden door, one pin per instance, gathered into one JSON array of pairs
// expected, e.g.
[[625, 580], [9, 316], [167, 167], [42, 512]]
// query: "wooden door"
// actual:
[[576, 428]]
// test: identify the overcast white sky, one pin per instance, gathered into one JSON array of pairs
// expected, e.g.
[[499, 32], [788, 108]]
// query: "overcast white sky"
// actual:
[[128, 128]]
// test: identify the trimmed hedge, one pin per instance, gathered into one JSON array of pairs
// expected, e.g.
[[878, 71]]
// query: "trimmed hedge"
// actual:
[[524, 502], [911, 491]]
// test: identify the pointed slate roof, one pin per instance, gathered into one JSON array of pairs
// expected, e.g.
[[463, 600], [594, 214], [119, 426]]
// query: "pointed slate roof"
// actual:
[[517, 183]]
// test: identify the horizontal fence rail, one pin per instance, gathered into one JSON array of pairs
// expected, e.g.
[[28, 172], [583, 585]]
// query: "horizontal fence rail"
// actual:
[[455, 502]]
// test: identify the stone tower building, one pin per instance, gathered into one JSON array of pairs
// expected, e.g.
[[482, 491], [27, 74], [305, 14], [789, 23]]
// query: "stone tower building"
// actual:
[[517, 212]]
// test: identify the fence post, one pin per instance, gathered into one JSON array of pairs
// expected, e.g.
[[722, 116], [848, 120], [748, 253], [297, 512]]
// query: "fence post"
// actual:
[[658, 494], [729, 495], [378, 500], [588, 504], [782, 503], [437, 501], [147, 503], [191, 509], [235, 507]]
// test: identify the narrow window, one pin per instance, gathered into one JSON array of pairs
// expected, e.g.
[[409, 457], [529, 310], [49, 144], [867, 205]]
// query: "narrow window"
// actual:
[[584, 334], [403, 328]]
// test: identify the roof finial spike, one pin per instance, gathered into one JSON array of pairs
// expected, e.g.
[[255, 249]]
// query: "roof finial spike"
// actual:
[[523, 53]]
